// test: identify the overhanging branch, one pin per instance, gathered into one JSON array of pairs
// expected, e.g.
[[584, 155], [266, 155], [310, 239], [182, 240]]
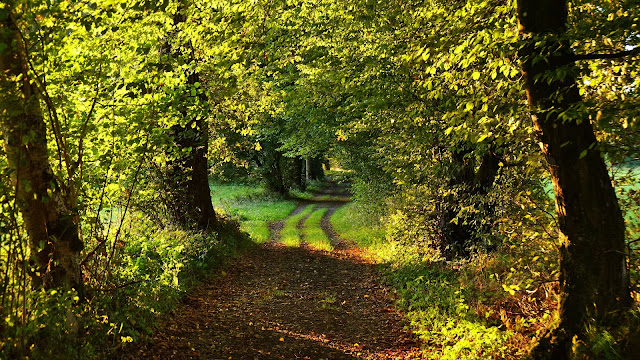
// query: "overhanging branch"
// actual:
[[599, 56]]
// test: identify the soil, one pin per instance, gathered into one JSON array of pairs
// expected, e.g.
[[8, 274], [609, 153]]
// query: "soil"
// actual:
[[277, 302]]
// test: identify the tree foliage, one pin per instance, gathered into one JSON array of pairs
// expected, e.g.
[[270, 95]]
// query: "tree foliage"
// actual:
[[425, 101]]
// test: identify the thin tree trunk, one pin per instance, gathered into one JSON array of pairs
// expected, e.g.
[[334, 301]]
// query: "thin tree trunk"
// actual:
[[53, 234], [298, 173], [593, 278]]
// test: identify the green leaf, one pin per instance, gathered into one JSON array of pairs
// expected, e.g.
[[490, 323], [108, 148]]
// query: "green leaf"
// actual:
[[584, 153], [469, 106]]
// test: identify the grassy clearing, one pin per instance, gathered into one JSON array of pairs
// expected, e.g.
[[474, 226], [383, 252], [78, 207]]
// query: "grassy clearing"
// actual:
[[313, 233], [290, 234], [252, 206], [229, 193]]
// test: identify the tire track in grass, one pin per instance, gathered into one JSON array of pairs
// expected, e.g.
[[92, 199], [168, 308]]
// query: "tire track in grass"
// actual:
[[336, 241], [314, 235], [276, 227], [290, 234]]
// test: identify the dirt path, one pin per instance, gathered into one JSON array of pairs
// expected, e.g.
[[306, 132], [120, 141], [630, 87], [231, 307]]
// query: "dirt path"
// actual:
[[288, 303]]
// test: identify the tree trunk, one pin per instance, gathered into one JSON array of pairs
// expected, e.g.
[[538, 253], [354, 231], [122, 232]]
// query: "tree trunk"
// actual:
[[457, 239], [593, 278], [314, 170], [273, 172], [188, 176], [53, 234], [298, 173]]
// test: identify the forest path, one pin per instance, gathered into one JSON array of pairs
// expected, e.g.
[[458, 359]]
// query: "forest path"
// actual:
[[278, 302]]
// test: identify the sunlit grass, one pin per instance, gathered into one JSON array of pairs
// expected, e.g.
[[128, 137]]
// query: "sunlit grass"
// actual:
[[226, 193], [290, 234], [252, 207], [313, 233], [350, 224]]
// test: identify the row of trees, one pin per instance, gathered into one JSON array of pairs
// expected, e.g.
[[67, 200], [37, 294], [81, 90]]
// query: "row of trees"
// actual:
[[37, 106], [448, 102], [439, 107]]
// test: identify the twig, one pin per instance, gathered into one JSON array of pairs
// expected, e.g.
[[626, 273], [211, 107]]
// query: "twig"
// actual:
[[126, 208], [116, 287], [86, 122]]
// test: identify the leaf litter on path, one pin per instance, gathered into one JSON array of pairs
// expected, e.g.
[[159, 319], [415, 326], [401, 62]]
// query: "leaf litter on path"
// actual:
[[277, 302]]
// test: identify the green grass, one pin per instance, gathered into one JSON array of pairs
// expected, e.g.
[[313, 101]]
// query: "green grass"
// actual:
[[252, 207], [313, 233], [350, 224], [228, 193], [290, 234]]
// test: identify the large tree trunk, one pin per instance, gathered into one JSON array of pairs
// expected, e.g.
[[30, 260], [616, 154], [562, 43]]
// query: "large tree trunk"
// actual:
[[53, 234], [188, 175], [593, 278]]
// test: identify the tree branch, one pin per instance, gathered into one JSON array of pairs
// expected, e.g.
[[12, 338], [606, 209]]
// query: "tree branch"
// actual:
[[599, 56]]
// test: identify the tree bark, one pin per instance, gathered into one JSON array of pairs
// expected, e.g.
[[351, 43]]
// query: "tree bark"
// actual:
[[188, 176], [298, 173], [593, 278], [49, 220], [457, 239]]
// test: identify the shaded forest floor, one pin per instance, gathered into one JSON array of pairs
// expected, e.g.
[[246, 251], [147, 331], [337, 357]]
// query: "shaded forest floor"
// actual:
[[279, 302]]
